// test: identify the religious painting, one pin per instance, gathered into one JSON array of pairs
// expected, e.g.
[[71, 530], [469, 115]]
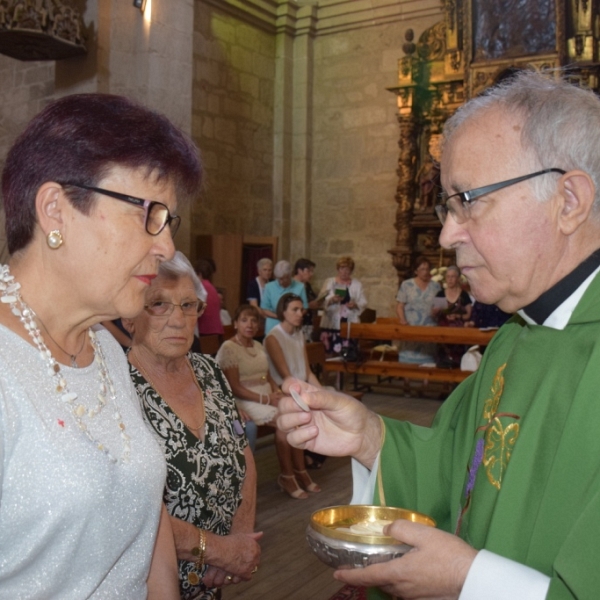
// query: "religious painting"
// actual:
[[505, 29], [427, 241]]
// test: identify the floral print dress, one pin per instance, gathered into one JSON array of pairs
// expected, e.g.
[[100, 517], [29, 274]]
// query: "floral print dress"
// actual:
[[204, 478]]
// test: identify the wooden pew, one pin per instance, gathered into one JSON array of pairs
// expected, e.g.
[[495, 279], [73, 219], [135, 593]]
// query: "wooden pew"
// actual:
[[384, 330], [390, 329]]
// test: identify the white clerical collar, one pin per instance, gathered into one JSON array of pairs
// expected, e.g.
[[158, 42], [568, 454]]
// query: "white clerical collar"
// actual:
[[561, 315]]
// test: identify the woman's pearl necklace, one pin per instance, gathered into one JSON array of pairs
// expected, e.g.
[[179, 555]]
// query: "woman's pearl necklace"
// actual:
[[9, 289]]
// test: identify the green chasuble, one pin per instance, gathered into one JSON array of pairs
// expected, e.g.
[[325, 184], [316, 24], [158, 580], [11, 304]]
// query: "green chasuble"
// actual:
[[512, 461]]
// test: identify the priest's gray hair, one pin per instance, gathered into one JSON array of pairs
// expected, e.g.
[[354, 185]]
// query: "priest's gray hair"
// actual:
[[561, 125], [179, 266], [282, 268]]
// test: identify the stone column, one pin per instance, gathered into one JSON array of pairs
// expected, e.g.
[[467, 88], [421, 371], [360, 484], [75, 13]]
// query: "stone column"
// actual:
[[149, 57], [282, 128], [302, 126]]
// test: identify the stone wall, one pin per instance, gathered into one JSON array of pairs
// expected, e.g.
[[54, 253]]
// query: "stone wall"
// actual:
[[355, 152], [146, 57], [298, 133], [286, 100], [232, 122]]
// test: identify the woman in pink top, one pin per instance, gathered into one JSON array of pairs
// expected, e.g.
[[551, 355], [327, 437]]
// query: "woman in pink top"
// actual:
[[210, 322]]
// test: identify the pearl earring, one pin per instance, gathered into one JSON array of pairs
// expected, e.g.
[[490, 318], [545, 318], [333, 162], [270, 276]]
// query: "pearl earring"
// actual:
[[54, 239]]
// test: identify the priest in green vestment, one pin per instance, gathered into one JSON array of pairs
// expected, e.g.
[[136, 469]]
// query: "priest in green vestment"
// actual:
[[510, 468]]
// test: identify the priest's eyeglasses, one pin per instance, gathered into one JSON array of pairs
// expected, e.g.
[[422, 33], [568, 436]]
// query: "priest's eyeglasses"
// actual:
[[157, 215], [192, 308], [459, 205]]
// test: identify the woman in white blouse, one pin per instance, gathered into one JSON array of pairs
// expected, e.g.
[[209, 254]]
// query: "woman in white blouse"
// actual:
[[344, 302], [286, 350]]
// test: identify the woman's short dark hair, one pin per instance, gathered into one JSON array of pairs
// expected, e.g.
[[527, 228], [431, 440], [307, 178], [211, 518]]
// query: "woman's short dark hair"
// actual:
[[420, 260], [205, 267], [284, 302], [78, 139], [303, 263], [246, 308]]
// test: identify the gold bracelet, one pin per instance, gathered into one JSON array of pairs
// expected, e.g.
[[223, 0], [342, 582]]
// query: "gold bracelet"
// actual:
[[200, 549]]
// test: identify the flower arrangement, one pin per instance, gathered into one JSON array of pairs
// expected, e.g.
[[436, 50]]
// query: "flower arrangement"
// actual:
[[439, 274]]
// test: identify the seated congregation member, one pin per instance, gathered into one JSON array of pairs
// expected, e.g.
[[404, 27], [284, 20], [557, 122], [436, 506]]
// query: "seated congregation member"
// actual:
[[224, 315], [457, 311], [246, 366], [510, 469], [286, 349], [283, 284], [256, 286], [90, 191], [210, 491], [459, 305], [414, 303], [486, 315], [304, 269], [344, 302]]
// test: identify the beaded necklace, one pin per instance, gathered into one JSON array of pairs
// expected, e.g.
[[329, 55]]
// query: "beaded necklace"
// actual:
[[9, 290]]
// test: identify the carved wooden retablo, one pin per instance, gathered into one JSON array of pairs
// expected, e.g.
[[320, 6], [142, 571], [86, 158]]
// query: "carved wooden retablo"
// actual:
[[476, 45]]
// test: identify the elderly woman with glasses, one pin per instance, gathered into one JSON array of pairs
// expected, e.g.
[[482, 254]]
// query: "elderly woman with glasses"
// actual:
[[211, 483], [90, 191]]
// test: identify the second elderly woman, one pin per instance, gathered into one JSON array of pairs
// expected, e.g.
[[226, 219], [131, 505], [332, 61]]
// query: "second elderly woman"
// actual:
[[211, 483]]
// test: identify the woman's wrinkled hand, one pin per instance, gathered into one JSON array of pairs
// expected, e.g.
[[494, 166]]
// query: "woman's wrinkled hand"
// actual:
[[215, 577], [435, 568], [336, 425], [237, 554]]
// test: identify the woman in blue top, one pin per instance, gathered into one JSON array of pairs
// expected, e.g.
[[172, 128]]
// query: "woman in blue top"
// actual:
[[415, 301]]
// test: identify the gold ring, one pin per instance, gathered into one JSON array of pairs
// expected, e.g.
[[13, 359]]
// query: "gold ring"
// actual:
[[254, 570], [229, 578]]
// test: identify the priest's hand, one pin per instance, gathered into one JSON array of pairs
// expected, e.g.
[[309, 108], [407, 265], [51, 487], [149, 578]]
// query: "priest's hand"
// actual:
[[335, 425], [435, 569]]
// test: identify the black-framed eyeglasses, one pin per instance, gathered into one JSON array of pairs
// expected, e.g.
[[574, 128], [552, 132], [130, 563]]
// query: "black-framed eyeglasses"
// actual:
[[459, 205], [157, 215], [192, 308]]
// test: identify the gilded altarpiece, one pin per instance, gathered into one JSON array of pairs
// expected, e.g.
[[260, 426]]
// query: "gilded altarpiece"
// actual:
[[477, 44]]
